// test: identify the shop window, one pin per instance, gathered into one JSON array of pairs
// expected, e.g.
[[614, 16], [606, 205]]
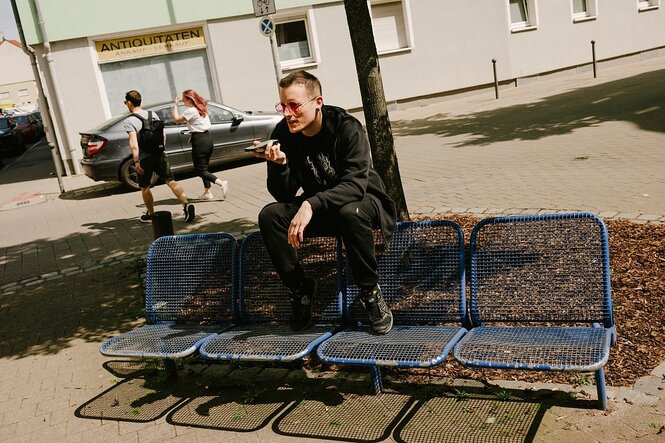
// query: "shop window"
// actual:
[[584, 10], [391, 25], [646, 5], [293, 42], [22, 92], [523, 15], [158, 78]]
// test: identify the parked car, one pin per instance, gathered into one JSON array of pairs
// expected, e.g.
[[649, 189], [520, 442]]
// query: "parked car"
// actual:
[[11, 138], [107, 157], [31, 128]]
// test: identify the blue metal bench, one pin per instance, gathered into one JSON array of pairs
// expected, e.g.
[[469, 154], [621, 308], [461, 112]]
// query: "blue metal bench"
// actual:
[[264, 334], [421, 275], [190, 283], [540, 295]]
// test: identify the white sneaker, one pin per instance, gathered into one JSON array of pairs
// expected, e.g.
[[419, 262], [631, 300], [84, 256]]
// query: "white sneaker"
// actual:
[[225, 189], [206, 196]]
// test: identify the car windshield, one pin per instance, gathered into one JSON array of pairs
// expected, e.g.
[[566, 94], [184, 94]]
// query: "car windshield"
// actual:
[[21, 119], [4, 123]]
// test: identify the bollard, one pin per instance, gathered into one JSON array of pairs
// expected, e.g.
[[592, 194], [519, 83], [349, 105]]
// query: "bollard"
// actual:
[[162, 224], [593, 56], [496, 81]]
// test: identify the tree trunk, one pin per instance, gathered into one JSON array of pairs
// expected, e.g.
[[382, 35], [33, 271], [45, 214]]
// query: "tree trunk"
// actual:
[[377, 121]]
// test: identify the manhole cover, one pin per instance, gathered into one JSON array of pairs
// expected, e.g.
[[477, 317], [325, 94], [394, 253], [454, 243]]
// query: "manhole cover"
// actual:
[[22, 201]]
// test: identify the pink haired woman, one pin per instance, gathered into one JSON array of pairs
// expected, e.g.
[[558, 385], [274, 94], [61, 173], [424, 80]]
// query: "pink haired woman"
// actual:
[[198, 123]]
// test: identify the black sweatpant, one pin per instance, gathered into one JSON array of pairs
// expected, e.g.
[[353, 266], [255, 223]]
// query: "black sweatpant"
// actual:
[[355, 222], [201, 153]]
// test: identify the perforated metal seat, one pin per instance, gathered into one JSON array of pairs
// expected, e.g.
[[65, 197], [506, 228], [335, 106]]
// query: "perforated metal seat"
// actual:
[[540, 295], [189, 297], [264, 334], [421, 275]]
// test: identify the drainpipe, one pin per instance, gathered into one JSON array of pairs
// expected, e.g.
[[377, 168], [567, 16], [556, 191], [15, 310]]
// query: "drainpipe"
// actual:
[[46, 112], [55, 92]]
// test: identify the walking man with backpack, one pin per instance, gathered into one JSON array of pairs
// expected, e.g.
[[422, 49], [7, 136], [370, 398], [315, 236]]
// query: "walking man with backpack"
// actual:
[[147, 140]]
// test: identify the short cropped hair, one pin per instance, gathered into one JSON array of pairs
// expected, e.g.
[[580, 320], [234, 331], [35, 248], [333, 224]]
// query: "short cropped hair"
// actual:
[[134, 97], [301, 77]]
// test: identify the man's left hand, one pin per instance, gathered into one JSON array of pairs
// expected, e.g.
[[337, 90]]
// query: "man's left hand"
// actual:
[[299, 223]]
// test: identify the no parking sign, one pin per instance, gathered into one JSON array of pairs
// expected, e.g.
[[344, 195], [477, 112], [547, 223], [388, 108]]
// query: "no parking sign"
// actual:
[[266, 26]]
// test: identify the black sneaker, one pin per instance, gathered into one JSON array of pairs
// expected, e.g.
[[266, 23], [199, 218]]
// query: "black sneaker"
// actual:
[[145, 217], [189, 213], [380, 317], [301, 305]]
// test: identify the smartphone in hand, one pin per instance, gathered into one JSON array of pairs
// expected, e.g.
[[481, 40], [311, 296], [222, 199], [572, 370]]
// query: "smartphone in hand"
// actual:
[[261, 148]]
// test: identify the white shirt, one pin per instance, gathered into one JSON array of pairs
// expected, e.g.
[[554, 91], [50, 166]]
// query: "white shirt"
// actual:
[[195, 122]]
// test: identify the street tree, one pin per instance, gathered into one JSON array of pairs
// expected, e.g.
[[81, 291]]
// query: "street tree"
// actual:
[[377, 121]]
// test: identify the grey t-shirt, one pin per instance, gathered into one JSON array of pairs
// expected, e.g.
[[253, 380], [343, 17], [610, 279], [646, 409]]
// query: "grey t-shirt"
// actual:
[[133, 124]]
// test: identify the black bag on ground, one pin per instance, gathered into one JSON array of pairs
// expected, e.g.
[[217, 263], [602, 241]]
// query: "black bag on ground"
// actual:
[[151, 135]]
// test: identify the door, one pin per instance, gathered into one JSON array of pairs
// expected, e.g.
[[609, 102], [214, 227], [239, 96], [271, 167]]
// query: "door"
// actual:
[[179, 158], [229, 135]]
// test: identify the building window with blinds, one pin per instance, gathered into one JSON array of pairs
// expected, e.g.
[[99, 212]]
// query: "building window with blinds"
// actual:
[[392, 26]]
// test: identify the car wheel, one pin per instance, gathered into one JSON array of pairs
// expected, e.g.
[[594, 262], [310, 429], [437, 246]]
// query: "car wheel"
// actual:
[[130, 178]]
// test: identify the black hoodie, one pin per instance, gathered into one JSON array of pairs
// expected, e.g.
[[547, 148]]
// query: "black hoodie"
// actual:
[[333, 168]]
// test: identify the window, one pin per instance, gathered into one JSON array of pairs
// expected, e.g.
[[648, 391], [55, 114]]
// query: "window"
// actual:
[[159, 78], [219, 115], [523, 15], [584, 10], [5, 96], [293, 43], [391, 25], [645, 5], [22, 92]]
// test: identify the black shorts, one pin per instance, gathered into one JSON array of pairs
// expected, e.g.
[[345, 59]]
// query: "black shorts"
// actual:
[[157, 163]]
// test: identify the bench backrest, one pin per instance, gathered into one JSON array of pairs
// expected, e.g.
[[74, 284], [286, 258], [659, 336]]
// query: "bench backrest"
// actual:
[[421, 274], [190, 279], [545, 268], [263, 296]]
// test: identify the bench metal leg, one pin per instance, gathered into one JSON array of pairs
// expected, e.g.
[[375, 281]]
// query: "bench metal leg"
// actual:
[[377, 383], [169, 366], [600, 387]]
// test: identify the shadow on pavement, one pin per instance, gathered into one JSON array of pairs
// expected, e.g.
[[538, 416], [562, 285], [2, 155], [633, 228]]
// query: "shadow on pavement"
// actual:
[[97, 191], [247, 397], [85, 286], [638, 99]]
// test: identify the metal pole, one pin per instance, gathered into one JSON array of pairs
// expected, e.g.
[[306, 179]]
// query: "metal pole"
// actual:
[[593, 55], [275, 58], [72, 148], [496, 81], [43, 101]]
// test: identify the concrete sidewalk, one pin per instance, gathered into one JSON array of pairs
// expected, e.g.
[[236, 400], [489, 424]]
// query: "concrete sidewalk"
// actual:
[[69, 278]]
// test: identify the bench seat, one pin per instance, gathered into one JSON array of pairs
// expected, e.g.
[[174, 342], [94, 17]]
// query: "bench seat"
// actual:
[[421, 275], [538, 348], [263, 333], [189, 297], [540, 295]]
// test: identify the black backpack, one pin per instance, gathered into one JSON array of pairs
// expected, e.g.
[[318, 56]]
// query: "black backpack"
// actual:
[[151, 135]]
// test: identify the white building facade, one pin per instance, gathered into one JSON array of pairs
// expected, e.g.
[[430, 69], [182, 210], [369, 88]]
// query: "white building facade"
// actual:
[[427, 49]]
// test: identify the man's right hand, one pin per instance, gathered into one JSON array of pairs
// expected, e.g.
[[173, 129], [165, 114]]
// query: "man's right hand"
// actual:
[[272, 153], [139, 169]]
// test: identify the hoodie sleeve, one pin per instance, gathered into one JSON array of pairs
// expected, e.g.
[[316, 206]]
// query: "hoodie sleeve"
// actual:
[[353, 157], [281, 180]]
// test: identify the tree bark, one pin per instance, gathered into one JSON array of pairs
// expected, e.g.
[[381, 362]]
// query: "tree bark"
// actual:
[[377, 121]]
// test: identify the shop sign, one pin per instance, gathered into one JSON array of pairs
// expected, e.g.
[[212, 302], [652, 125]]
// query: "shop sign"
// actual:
[[145, 45]]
